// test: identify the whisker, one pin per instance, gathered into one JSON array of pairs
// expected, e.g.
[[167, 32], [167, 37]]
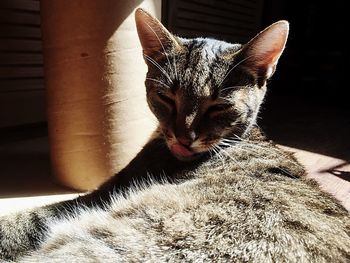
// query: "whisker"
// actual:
[[236, 65], [226, 99], [279, 168], [160, 82], [250, 147], [242, 143], [217, 151], [156, 64], [246, 143], [239, 138], [210, 152], [232, 87], [225, 144], [174, 62], [234, 160], [160, 42], [230, 140]]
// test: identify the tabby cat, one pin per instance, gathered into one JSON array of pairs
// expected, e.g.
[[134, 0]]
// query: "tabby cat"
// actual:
[[208, 187]]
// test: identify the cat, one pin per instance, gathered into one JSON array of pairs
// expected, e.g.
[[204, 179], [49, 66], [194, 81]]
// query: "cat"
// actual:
[[208, 186]]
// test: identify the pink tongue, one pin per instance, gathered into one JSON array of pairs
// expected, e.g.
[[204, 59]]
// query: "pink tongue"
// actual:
[[181, 150]]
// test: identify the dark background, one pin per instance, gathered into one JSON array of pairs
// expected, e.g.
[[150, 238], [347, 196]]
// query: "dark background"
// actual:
[[313, 65]]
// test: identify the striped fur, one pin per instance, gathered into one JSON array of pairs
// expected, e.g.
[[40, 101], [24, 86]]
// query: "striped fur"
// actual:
[[256, 207], [238, 198]]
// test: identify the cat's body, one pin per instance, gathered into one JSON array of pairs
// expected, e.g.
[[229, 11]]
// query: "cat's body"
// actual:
[[258, 208], [220, 191]]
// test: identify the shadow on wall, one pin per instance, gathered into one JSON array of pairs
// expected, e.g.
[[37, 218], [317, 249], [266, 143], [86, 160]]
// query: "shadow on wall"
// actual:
[[336, 170], [94, 74]]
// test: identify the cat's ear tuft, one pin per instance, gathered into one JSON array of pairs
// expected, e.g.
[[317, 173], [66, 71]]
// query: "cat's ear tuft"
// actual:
[[154, 37], [263, 51]]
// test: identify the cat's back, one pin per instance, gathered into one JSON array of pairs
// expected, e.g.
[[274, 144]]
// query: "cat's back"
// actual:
[[248, 203]]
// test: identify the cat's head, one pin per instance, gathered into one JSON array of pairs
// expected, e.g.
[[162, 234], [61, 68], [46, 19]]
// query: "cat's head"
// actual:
[[204, 91]]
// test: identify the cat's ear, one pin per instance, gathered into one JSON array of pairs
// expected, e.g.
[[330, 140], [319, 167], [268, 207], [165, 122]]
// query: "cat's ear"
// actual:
[[154, 37], [261, 54]]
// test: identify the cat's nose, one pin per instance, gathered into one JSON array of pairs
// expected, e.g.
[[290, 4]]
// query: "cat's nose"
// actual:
[[187, 140]]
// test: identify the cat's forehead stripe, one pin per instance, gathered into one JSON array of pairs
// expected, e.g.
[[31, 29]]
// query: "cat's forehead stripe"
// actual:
[[201, 60], [211, 46]]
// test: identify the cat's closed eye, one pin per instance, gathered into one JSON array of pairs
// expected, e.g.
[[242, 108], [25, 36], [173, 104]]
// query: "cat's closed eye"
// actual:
[[167, 100], [218, 108]]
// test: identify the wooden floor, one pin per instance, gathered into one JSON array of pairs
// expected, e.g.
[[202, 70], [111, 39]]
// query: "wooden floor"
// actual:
[[318, 135]]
